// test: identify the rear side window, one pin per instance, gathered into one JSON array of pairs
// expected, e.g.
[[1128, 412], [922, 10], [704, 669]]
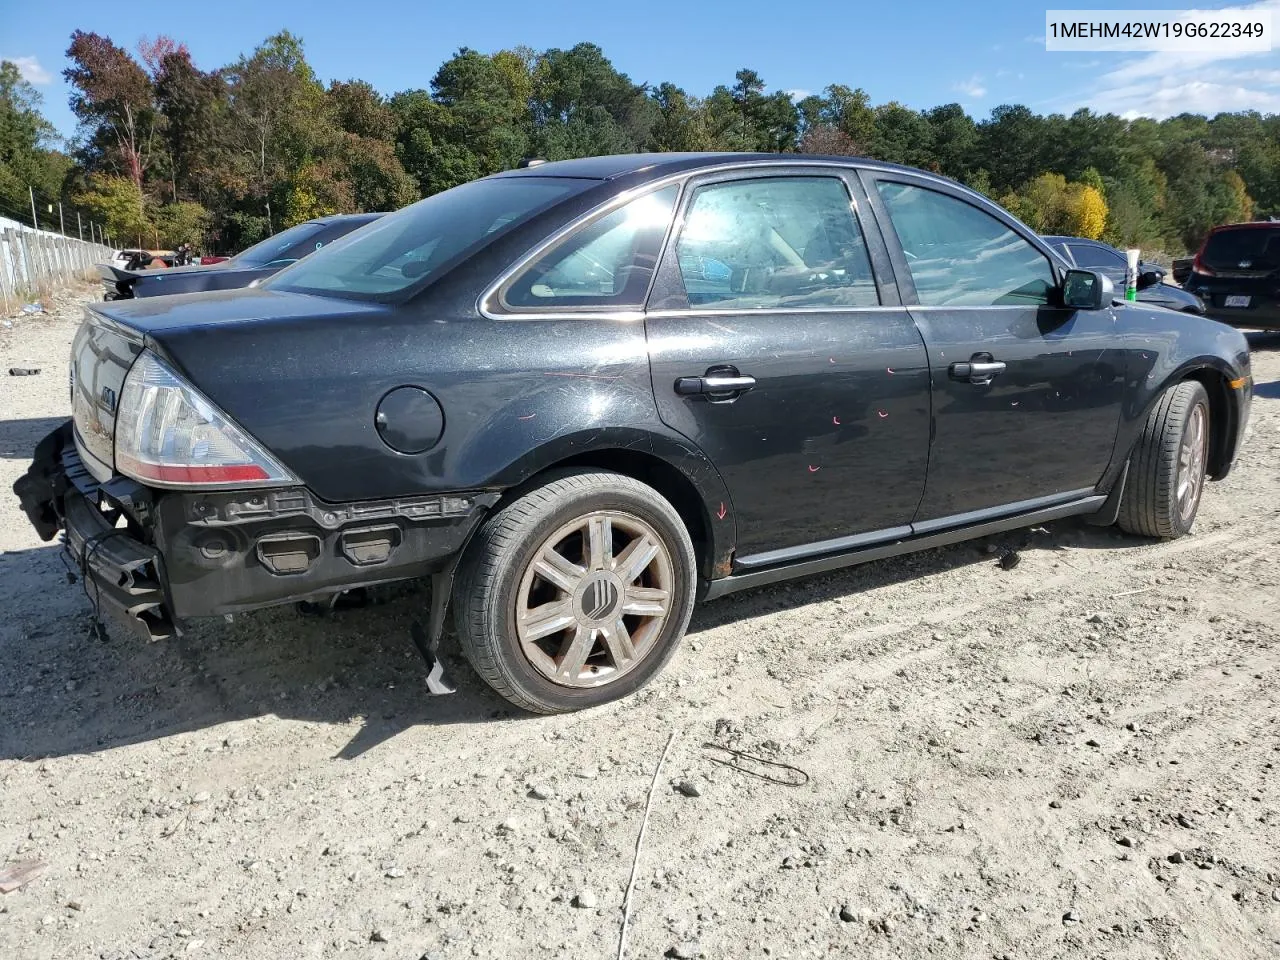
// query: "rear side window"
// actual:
[[1244, 248], [607, 263], [1089, 257], [774, 243], [280, 245], [959, 255], [409, 248]]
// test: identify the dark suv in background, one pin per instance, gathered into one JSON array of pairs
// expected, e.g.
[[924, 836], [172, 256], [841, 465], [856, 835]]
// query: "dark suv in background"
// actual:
[[1237, 274]]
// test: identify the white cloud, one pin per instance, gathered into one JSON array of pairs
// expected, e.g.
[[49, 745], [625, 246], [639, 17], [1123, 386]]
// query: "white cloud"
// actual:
[[973, 87], [30, 69], [797, 94], [1163, 84]]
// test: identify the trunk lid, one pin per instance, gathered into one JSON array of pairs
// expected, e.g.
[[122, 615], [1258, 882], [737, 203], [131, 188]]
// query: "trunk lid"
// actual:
[[114, 333]]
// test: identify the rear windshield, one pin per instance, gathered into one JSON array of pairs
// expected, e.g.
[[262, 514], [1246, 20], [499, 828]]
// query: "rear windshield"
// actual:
[[412, 246], [1258, 247], [276, 246]]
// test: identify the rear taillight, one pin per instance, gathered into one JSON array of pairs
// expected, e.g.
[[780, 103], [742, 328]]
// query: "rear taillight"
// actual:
[[168, 435], [1198, 266]]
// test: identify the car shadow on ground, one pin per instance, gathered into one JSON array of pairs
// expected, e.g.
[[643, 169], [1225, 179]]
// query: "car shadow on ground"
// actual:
[[70, 689], [82, 692], [18, 438]]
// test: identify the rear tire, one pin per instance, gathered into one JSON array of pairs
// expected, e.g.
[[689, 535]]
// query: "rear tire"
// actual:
[[1167, 467], [576, 593]]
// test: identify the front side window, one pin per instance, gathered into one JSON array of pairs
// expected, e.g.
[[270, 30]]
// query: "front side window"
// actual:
[[774, 243], [960, 255], [414, 245], [607, 263]]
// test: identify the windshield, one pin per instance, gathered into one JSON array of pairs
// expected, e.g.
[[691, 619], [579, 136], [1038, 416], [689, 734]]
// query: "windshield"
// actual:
[[275, 246], [410, 247], [1246, 248]]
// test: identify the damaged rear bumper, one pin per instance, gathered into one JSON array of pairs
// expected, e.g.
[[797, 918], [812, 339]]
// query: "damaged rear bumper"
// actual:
[[155, 558]]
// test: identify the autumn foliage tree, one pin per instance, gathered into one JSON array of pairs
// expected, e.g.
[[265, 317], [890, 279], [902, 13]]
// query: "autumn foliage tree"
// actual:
[[261, 143]]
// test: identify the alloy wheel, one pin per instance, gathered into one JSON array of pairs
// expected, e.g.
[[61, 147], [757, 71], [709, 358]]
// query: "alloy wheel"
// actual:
[[1191, 460], [593, 599]]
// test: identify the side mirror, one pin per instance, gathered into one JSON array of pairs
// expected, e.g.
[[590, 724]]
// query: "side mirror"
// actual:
[[1149, 278], [1086, 290]]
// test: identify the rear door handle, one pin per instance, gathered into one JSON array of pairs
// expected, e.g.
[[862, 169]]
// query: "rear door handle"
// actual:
[[714, 384], [977, 370]]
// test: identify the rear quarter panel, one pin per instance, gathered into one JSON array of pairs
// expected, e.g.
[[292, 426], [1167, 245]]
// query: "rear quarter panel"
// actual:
[[517, 397]]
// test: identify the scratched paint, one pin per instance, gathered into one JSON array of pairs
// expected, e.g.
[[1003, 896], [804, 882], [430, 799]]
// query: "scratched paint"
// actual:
[[836, 421], [882, 414], [528, 416], [813, 469], [722, 512]]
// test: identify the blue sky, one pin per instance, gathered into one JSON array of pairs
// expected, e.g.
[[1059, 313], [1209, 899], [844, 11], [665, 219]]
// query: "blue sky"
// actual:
[[921, 53]]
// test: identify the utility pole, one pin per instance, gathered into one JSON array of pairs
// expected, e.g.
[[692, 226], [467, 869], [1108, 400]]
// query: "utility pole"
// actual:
[[32, 194], [79, 227], [62, 224]]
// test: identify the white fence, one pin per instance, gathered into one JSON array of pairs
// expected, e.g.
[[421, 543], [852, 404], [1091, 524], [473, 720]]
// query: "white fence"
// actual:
[[37, 262]]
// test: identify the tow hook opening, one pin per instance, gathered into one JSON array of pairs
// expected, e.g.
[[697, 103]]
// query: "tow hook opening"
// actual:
[[288, 554]]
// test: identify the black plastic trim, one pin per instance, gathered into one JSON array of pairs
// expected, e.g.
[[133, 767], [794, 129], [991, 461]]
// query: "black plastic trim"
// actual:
[[760, 578]]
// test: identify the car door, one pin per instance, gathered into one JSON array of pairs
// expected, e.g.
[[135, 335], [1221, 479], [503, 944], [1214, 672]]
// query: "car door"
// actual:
[[1026, 394], [779, 348]]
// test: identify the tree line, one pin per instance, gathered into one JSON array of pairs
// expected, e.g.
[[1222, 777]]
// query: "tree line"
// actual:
[[167, 152]]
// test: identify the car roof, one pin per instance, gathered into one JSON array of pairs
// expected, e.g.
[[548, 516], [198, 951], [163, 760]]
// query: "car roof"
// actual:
[[1250, 225], [348, 217], [660, 164], [1057, 239]]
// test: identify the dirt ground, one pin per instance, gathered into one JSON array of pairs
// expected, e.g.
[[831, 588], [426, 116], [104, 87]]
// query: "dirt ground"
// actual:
[[1073, 758]]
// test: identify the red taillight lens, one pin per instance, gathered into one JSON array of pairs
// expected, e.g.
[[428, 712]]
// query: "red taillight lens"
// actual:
[[1198, 266], [170, 435]]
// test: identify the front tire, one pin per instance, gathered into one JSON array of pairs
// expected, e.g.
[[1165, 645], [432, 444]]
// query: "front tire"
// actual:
[[1167, 468], [576, 593]]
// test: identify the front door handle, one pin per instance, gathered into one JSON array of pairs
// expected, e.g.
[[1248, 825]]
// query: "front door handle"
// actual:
[[714, 383], [980, 369]]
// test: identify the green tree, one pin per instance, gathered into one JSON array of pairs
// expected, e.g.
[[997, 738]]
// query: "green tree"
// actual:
[[679, 123], [118, 203], [1010, 143], [955, 142], [26, 142]]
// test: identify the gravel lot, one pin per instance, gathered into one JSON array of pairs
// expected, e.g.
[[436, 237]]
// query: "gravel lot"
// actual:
[[1074, 758]]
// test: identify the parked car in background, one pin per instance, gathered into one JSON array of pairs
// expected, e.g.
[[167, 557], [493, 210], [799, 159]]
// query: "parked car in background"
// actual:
[[1237, 274], [259, 261], [1111, 263], [1181, 269], [599, 388]]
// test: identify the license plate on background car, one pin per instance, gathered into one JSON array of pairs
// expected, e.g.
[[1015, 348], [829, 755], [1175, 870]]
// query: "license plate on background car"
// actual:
[[1236, 302]]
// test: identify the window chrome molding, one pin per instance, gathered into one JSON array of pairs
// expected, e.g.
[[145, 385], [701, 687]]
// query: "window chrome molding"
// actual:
[[488, 305], [772, 311]]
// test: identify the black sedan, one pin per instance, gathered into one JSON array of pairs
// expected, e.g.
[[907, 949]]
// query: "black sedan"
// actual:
[[258, 262], [1111, 263], [598, 389]]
